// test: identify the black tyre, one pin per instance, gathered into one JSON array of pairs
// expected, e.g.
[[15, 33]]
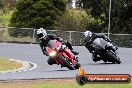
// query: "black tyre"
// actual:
[[51, 61], [77, 66], [105, 61], [113, 57], [66, 63]]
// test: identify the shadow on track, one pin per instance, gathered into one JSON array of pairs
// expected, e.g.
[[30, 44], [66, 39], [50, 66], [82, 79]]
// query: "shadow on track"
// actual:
[[57, 70], [99, 64], [61, 70]]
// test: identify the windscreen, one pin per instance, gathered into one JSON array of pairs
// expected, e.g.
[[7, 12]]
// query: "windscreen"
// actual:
[[54, 44]]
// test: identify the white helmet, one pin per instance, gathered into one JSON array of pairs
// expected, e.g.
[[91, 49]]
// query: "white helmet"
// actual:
[[41, 33], [88, 34]]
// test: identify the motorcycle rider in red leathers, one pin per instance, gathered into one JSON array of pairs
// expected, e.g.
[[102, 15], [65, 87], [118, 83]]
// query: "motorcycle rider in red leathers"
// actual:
[[45, 38]]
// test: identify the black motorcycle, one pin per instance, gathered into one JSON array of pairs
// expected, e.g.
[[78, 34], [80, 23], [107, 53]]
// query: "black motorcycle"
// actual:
[[103, 50]]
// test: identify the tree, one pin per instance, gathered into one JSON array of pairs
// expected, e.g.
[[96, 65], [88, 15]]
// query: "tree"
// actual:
[[38, 13], [121, 15], [1, 5], [74, 20]]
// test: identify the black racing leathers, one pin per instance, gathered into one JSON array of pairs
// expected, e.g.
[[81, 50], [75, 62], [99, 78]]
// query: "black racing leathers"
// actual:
[[89, 41]]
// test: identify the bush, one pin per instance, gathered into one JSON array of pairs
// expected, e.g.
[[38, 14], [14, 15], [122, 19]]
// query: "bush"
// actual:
[[75, 20], [37, 13]]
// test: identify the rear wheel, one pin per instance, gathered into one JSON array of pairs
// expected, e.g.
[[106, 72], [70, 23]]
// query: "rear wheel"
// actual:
[[113, 57], [105, 61], [77, 66], [66, 63]]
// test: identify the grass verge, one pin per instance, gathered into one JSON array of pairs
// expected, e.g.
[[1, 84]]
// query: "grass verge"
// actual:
[[60, 84], [6, 64]]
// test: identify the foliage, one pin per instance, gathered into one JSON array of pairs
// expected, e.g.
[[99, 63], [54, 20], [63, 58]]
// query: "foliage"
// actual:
[[121, 14], [5, 18], [5, 7], [75, 20], [1, 6], [38, 13]]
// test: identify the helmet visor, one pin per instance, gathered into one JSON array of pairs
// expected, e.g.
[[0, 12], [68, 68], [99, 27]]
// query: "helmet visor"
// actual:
[[40, 35]]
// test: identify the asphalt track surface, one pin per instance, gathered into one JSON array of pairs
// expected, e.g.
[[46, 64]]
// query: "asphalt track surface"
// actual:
[[32, 53]]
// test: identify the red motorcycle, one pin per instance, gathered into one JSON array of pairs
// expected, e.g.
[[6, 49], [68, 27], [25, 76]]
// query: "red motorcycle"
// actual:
[[62, 55]]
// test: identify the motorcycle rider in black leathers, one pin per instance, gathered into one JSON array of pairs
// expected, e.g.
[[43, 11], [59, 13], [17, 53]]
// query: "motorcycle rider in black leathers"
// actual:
[[45, 38], [90, 37]]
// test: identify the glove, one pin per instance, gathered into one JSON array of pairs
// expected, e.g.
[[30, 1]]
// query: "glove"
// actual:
[[68, 44], [60, 39], [108, 40], [62, 48]]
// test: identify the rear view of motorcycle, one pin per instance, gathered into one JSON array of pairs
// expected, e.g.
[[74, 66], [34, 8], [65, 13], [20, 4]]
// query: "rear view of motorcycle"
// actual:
[[103, 50], [62, 55]]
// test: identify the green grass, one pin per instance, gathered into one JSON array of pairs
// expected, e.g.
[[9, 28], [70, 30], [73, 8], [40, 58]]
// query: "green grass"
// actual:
[[6, 64], [78, 86], [5, 18], [60, 84]]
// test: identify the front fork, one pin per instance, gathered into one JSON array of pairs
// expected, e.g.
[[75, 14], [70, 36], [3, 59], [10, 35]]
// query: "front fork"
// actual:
[[70, 55]]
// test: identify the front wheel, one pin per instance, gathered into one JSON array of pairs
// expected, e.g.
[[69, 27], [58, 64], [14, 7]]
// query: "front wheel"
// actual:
[[66, 63], [51, 61], [113, 57]]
